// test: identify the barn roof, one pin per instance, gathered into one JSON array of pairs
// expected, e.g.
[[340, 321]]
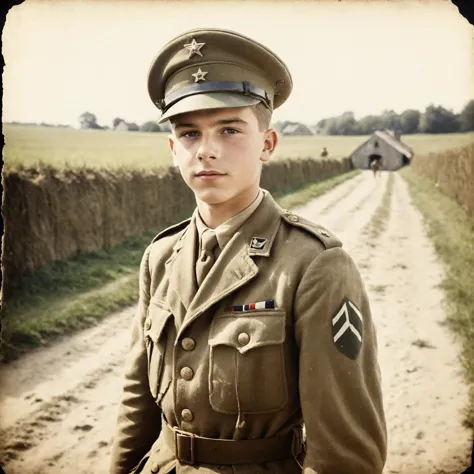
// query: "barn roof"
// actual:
[[390, 140], [395, 143], [296, 128]]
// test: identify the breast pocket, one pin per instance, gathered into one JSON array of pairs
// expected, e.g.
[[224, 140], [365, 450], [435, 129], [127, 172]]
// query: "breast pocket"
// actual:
[[247, 363], [159, 332]]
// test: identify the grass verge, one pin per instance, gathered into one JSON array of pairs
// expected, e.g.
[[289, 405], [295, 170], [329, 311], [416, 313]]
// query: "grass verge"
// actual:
[[452, 232], [312, 191], [77, 293]]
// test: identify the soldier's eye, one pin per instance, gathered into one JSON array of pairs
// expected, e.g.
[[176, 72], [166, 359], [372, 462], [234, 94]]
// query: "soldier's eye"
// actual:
[[230, 131], [192, 133]]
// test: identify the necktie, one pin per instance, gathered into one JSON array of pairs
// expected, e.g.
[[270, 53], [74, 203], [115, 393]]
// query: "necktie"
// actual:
[[206, 258]]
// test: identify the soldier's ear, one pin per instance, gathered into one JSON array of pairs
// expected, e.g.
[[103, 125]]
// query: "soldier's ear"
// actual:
[[269, 144]]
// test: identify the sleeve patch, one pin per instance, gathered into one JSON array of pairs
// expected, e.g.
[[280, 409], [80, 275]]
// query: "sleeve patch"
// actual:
[[348, 329]]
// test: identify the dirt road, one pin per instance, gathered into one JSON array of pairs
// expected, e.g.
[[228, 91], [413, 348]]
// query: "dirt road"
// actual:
[[58, 404]]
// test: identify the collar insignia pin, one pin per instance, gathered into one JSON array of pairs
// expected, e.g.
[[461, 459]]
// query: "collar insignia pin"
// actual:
[[258, 243]]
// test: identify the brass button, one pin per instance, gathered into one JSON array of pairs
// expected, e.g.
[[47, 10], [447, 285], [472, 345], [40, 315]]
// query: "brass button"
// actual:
[[147, 323], [293, 218], [187, 373], [243, 338], [187, 415], [188, 344], [155, 467]]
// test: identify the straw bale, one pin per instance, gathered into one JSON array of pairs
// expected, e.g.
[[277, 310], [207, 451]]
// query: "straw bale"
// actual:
[[453, 173], [55, 214]]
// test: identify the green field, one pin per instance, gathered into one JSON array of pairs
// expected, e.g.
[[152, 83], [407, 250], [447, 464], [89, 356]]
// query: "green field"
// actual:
[[28, 146]]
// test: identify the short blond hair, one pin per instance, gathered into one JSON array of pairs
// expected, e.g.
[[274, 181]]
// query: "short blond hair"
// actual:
[[264, 116]]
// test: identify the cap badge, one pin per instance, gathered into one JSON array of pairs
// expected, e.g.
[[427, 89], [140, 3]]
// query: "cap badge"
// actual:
[[194, 48], [199, 76]]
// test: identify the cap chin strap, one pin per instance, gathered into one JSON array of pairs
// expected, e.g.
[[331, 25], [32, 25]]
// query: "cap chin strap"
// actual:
[[244, 88]]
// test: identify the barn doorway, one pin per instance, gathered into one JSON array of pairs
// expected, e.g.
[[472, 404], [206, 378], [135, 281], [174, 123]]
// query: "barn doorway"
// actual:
[[374, 157]]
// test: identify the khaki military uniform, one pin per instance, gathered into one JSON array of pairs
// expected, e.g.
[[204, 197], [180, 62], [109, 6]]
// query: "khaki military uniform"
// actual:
[[208, 368], [235, 347]]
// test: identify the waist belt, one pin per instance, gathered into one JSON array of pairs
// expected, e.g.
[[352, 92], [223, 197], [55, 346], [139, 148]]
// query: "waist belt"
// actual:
[[193, 449]]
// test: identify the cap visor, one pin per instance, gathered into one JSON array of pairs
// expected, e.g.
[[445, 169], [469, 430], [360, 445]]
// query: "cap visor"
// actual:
[[210, 100]]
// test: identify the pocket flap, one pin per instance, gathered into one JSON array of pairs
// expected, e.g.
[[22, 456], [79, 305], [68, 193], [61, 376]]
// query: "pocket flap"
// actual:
[[248, 332], [158, 318]]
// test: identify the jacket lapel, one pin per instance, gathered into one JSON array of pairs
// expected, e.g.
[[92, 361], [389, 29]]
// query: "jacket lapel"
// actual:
[[236, 267], [181, 273]]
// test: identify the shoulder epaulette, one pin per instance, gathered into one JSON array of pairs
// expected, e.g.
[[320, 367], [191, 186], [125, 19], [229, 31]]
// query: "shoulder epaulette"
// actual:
[[328, 239], [172, 230]]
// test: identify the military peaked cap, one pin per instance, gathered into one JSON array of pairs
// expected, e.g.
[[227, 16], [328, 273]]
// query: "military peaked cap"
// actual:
[[211, 68]]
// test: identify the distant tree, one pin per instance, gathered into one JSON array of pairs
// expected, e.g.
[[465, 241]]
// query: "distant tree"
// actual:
[[116, 121], [390, 120], [466, 117], [439, 120], [133, 127], [344, 124], [150, 126], [322, 123], [410, 121], [368, 124], [88, 120], [165, 127]]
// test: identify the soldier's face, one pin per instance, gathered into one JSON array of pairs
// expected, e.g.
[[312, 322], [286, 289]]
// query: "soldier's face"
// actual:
[[220, 152]]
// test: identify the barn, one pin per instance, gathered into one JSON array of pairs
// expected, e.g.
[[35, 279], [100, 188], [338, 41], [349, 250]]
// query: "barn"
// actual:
[[296, 129], [385, 146]]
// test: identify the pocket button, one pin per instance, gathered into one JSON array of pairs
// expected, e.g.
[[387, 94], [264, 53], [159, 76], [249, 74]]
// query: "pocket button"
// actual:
[[243, 338], [187, 415]]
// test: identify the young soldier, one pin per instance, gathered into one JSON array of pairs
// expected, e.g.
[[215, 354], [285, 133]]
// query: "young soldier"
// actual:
[[251, 320]]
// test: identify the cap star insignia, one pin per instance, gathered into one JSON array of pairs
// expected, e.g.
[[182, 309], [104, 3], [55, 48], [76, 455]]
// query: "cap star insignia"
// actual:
[[194, 48], [348, 329], [199, 76], [258, 243]]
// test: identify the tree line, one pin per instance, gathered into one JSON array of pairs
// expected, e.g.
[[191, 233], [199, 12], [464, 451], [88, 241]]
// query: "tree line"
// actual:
[[88, 120], [435, 119]]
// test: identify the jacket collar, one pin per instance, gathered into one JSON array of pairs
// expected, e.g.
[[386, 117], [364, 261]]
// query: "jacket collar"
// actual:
[[234, 268]]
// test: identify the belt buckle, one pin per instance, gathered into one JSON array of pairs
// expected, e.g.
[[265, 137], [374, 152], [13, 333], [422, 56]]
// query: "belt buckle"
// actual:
[[180, 435]]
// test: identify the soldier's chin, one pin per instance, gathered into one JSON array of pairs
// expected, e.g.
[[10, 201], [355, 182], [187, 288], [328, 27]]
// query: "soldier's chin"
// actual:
[[212, 196]]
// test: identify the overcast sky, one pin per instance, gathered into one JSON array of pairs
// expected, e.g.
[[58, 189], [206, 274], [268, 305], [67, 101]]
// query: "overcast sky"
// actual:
[[64, 57]]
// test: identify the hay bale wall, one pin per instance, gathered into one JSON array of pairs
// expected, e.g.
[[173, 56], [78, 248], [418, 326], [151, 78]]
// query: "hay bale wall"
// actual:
[[453, 172], [55, 214]]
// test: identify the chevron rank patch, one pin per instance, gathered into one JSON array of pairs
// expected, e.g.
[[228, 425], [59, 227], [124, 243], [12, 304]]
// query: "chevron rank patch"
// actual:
[[348, 329]]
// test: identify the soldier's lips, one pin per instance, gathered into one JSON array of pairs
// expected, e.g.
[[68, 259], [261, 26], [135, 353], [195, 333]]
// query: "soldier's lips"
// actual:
[[209, 175]]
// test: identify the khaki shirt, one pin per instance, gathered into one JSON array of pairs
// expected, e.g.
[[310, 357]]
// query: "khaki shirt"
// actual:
[[226, 230], [186, 362]]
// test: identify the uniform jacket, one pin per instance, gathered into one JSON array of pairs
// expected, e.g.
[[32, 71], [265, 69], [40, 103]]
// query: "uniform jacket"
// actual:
[[289, 370]]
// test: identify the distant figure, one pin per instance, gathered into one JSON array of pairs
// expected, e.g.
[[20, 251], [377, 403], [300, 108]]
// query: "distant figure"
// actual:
[[324, 153], [376, 166]]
